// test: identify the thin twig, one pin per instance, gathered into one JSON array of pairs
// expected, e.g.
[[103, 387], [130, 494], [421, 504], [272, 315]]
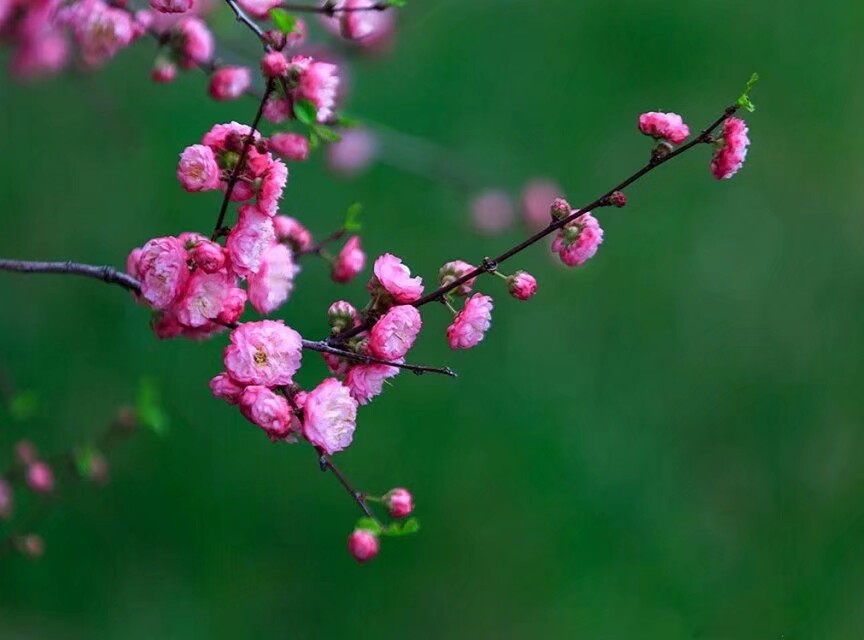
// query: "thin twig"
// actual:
[[323, 347], [327, 464], [329, 8], [104, 273]]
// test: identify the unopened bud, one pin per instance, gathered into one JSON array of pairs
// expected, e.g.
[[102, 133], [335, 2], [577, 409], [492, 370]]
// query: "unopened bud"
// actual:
[[363, 545], [560, 209], [618, 199], [400, 502], [342, 316], [522, 285]]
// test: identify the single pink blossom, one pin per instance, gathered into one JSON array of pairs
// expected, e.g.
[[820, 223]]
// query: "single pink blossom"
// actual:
[[171, 6], [368, 29], [522, 285], [578, 241], [730, 156], [395, 279], [99, 30], [366, 381], [277, 109], [351, 155], [40, 477], [274, 64], [272, 185], [265, 353], [229, 83], [250, 238], [451, 271], [536, 200], [363, 545], [471, 324], [318, 83], [164, 71], [329, 416], [162, 270], [350, 261], [205, 299], [197, 169], [291, 146], [196, 42], [399, 502], [664, 126], [291, 231], [492, 212], [225, 387], [260, 406], [207, 255], [394, 334], [272, 285]]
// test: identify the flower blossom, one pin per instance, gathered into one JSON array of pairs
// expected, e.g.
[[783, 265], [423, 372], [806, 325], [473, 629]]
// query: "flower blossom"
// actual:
[[366, 381], [522, 285], [664, 126], [363, 545], [350, 261], [471, 324], [451, 271], [272, 285], [249, 239], [264, 353], [730, 156], [197, 169], [318, 83], [99, 30], [290, 230], [394, 334], [229, 83], [394, 278], [329, 416], [578, 241], [270, 411]]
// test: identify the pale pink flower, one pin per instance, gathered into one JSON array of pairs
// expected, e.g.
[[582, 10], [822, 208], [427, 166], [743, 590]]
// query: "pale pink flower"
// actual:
[[665, 126], [205, 298], [270, 411], [272, 185], [100, 31], [40, 477], [366, 381], [394, 334], [271, 286], [229, 136], [6, 499], [351, 155], [342, 315], [225, 387], [250, 238], [259, 8], [196, 42], [537, 197], [197, 169], [395, 279], [522, 285], [329, 416], [729, 158], [277, 109], [171, 6], [578, 241], [492, 212], [265, 352], [451, 271], [291, 231], [363, 545], [399, 502], [471, 324], [367, 29], [164, 71], [350, 261], [229, 83], [318, 83], [162, 270], [291, 146], [274, 64]]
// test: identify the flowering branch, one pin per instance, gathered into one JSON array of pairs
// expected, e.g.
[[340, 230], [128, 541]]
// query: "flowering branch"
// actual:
[[104, 273]]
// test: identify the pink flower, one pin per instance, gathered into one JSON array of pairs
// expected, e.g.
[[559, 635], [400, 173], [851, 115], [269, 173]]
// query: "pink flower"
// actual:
[[272, 185], [229, 83], [342, 316], [665, 126], [205, 298], [577, 242], [164, 71], [522, 285], [400, 502], [329, 416], [536, 200], [274, 64], [366, 381], [250, 238], [350, 261], [171, 6], [471, 324], [259, 8], [162, 270], [452, 271], [318, 83], [196, 42], [394, 334], [225, 387], [40, 478], [729, 158], [395, 279], [266, 353], [291, 146], [277, 109], [363, 545], [260, 406], [367, 29], [492, 212], [197, 170], [336, 365], [291, 231], [100, 31], [208, 256], [273, 283], [353, 153]]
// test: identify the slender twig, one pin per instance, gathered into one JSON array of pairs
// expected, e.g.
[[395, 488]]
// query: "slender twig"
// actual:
[[244, 18], [329, 8], [489, 265], [317, 248], [323, 347], [327, 464], [104, 273]]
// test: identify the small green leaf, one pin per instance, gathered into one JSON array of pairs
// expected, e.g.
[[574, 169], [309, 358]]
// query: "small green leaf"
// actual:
[[306, 112], [352, 218], [149, 409], [314, 141], [24, 406], [369, 524], [326, 133], [283, 21], [347, 122], [399, 529], [394, 3], [744, 101]]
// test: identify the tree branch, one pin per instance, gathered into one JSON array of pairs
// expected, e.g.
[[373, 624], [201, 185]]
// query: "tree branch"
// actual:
[[327, 465], [104, 273], [323, 347]]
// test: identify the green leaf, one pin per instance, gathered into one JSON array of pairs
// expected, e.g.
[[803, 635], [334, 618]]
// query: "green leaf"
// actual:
[[306, 112], [352, 218], [347, 122], [394, 3], [314, 141], [24, 406], [149, 409], [399, 529], [744, 101], [369, 524], [326, 133], [283, 21]]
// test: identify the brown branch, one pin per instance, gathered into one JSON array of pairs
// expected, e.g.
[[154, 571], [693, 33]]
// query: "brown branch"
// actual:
[[327, 465], [103, 273], [329, 8], [244, 18], [323, 347]]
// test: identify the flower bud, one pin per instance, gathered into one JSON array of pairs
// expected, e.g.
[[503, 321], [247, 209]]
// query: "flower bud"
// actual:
[[274, 64], [618, 199], [522, 285], [342, 316], [363, 545], [164, 71], [560, 209], [40, 478], [454, 270], [400, 502]]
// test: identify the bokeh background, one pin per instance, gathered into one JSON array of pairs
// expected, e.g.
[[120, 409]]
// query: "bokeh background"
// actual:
[[666, 443]]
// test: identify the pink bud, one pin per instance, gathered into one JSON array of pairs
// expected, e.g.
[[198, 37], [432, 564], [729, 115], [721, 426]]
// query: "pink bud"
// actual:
[[452, 271], [560, 209], [274, 64], [40, 478], [618, 199], [363, 545], [400, 502], [342, 316], [522, 285], [291, 146], [350, 261], [164, 71], [229, 83]]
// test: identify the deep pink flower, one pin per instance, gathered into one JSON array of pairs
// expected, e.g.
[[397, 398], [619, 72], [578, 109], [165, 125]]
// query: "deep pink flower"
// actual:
[[205, 299], [208, 256], [162, 270], [522, 285], [100, 31], [274, 64], [395, 279], [291, 146], [730, 157], [266, 353], [225, 387], [270, 411], [40, 477], [259, 8], [665, 126], [357, 149], [577, 242], [400, 502], [272, 285], [471, 324], [492, 212], [171, 6], [196, 42], [318, 83], [291, 231], [272, 185], [363, 545], [197, 169], [329, 416], [229, 83], [452, 271], [394, 334], [229, 137], [366, 381], [350, 261], [536, 200], [6, 499], [250, 238]]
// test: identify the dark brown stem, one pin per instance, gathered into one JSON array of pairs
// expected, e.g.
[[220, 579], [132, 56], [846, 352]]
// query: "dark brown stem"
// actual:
[[104, 273], [323, 347], [327, 465], [320, 246], [329, 8], [243, 17]]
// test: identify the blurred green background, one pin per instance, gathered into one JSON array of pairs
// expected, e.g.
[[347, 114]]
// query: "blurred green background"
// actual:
[[664, 444]]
